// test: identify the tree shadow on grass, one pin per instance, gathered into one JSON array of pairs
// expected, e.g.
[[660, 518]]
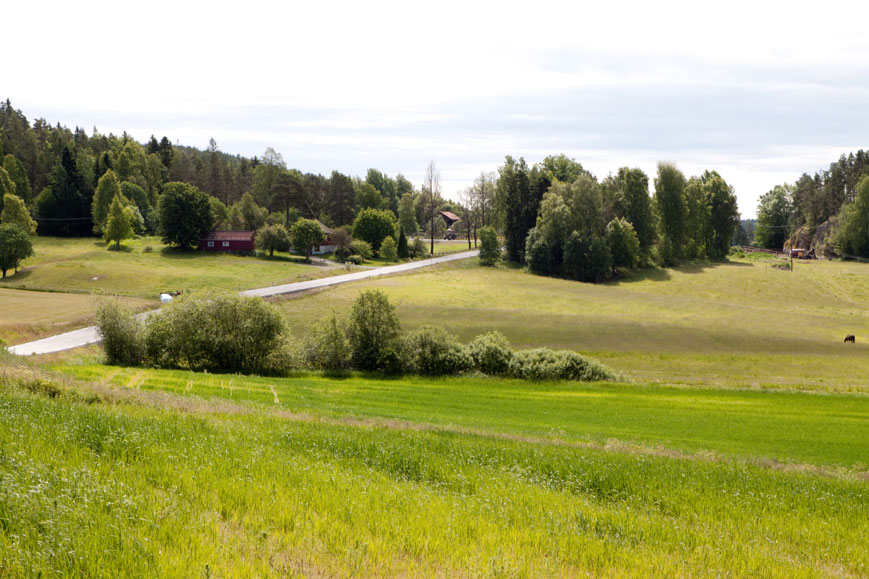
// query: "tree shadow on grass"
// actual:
[[663, 274], [16, 277]]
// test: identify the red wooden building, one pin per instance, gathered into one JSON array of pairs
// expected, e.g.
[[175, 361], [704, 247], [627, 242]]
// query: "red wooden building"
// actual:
[[227, 241]]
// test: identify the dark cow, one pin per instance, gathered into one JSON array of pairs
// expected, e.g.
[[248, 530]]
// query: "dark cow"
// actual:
[[850, 338]]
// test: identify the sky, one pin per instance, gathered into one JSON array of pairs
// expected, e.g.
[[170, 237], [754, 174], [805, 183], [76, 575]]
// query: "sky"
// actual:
[[759, 91]]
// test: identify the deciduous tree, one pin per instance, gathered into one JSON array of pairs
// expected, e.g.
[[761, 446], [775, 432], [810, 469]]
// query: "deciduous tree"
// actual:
[[14, 211], [119, 224], [305, 234], [185, 215], [15, 246]]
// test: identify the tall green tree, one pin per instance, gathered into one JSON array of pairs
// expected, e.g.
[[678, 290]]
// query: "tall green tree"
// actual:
[[852, 237], [7, 186], [563, 169], [368, 197], [670, 204], [107, 189], [696, 218], [623, 243], [374, 225], [407, 214], [373, 330], [119, 223], [185, 215], [15, 247], [305, 234], [514, 192], [636, 205], [14, 211], [774, 212], [16, 171], [723, 215]]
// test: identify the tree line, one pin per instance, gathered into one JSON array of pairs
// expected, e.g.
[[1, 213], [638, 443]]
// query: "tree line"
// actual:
[[57, 172], [828, 201], [560, 220]]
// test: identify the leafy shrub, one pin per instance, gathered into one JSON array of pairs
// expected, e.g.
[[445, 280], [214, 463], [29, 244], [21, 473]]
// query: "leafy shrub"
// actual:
[[546, 364], [432, 351], [355, 259], [418, 248], [326, 346], [389, 250], [361, 248], [490, 354], [373, 329], [221, 332], [490, 248], [121, 333], [147, 249], [375, 225]]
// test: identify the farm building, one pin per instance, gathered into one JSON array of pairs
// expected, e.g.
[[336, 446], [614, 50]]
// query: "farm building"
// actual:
[[450, 218], [228, 241], [328, 246]]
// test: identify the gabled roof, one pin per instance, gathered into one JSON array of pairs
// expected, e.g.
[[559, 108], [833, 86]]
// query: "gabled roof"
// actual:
[[230, 236], [451, 216], [325, 228]]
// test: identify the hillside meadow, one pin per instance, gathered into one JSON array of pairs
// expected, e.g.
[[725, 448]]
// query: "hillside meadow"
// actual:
[[84, 265], [739, 323], [733, 444]]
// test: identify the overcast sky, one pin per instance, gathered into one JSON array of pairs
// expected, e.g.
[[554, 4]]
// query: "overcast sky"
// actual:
[[759, 91]]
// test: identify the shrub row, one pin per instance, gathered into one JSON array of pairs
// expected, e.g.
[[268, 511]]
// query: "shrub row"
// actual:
[[231, 333], [372, 340]]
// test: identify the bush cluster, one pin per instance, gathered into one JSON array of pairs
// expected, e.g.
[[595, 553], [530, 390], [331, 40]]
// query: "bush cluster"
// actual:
[[219, 332], [231, 333], [372, 340]]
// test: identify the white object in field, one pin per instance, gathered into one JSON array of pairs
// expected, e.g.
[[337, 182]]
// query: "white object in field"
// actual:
[[165, 298]]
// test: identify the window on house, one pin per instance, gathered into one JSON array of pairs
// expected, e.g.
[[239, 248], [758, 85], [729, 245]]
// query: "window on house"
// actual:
[[225, 244], [210, 244]]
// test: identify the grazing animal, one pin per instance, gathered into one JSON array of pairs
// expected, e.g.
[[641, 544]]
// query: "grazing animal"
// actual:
[[850, 338]]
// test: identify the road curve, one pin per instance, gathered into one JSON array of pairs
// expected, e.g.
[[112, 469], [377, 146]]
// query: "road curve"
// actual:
[[89, 335]]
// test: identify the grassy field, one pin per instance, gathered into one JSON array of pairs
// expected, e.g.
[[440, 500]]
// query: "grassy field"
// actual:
[[786, 427], [736, 324], [153, 484], [736, 446], [26, 316], [85, 266]]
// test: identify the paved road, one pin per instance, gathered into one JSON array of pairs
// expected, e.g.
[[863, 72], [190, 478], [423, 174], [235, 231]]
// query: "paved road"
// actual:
[[89, 335]]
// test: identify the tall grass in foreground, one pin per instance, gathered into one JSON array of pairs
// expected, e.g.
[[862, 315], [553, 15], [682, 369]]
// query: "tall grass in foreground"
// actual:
[[118, 490]]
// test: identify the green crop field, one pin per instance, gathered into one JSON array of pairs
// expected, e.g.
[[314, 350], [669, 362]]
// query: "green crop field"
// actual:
[[227, 476], [735, 444]]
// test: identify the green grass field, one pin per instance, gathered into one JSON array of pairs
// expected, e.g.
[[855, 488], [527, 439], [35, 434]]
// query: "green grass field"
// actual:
[[85, 266], [26, 315], [740, 324], [147, 484], [737, 446]]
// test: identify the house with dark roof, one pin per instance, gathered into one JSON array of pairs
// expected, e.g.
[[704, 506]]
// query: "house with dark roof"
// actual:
[[228, 241], [327, 246], [450, 218]]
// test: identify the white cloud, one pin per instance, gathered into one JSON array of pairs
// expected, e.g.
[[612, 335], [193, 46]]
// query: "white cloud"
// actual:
[[760, 91]]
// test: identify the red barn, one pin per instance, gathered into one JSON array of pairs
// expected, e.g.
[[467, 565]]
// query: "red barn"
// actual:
[[227, 241]]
